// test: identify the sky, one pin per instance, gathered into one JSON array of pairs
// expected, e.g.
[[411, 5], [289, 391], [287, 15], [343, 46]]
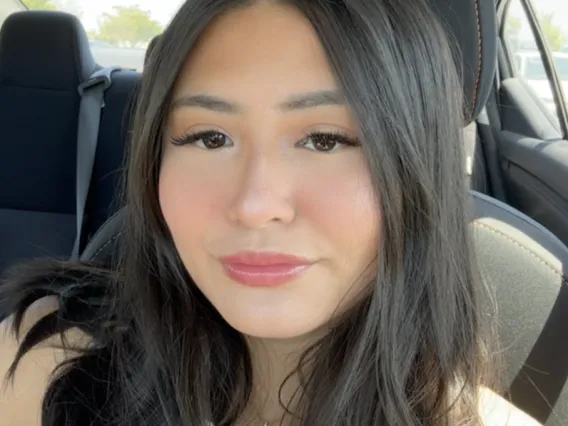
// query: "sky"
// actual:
[[163, 10]]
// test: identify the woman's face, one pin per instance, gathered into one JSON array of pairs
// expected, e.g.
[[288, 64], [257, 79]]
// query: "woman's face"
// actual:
[[262, 185]]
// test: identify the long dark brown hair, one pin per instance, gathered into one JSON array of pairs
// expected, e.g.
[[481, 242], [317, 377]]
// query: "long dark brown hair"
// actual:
[[411, 353]]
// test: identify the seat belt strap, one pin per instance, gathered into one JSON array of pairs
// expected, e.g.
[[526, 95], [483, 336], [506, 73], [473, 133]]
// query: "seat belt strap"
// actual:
[[92, 101]]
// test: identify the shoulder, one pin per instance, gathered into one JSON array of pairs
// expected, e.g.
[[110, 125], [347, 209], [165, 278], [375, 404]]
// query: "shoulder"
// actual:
[[21, 399], [495, 410]]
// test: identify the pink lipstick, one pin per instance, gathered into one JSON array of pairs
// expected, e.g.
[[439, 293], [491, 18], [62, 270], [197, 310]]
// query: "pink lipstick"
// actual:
[[264, 269]]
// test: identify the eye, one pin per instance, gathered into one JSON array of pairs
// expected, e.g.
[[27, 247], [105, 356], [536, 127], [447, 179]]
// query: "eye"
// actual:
[[327, 142], [209, 140]]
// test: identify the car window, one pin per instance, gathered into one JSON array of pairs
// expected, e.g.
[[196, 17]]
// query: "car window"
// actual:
[[533, 69], [7, 8], [562, 67], [119, 30], [520, 43]]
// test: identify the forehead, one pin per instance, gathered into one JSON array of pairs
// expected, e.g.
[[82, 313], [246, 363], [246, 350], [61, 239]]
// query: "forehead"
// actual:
[[265, 50]]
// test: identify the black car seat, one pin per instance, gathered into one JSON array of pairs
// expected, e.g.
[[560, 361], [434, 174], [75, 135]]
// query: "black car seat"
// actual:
[[44, 56], [521, 262]]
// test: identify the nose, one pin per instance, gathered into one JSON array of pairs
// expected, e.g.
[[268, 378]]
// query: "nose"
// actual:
[[263, 192]]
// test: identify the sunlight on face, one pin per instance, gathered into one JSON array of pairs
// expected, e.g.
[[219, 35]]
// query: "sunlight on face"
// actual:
[[261, 160]]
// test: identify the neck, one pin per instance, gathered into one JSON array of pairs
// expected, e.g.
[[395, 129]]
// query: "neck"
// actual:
[[272, 362]]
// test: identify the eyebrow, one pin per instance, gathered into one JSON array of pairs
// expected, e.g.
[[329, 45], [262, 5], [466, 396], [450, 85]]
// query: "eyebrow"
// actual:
[[312, 100], [296, 102]]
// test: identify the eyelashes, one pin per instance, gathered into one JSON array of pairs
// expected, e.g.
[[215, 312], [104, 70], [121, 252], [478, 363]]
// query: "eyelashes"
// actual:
[[211, 139], [326, 142]]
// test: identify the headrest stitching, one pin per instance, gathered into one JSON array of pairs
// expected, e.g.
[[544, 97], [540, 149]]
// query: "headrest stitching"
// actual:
[[480, 55], [525, 249]]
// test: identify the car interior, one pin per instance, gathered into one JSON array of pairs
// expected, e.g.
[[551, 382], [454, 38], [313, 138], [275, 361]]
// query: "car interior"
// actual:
[[61, 167]]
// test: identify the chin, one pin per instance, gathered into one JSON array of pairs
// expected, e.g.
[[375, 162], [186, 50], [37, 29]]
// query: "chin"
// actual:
[[274, 327]]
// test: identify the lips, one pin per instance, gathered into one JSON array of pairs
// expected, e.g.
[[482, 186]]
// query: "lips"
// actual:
[[264, 269]]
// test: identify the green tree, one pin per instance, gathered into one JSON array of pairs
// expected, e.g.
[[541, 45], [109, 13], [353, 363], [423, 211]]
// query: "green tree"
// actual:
[[40, 4], [127, 26], [554, 35], [513, 24]]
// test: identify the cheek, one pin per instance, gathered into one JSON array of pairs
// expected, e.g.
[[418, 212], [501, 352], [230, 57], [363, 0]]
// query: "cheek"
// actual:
[[345, 211], [342, 204], [189, 204]]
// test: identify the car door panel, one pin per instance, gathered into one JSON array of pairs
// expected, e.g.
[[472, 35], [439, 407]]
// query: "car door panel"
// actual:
[[532, 149], [536, 176], [523, 112]]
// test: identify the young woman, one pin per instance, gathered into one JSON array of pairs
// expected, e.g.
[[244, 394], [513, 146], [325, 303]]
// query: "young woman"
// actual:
[[297, 249]]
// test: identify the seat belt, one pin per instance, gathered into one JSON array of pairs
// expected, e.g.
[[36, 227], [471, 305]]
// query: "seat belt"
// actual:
[[92, 101]]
